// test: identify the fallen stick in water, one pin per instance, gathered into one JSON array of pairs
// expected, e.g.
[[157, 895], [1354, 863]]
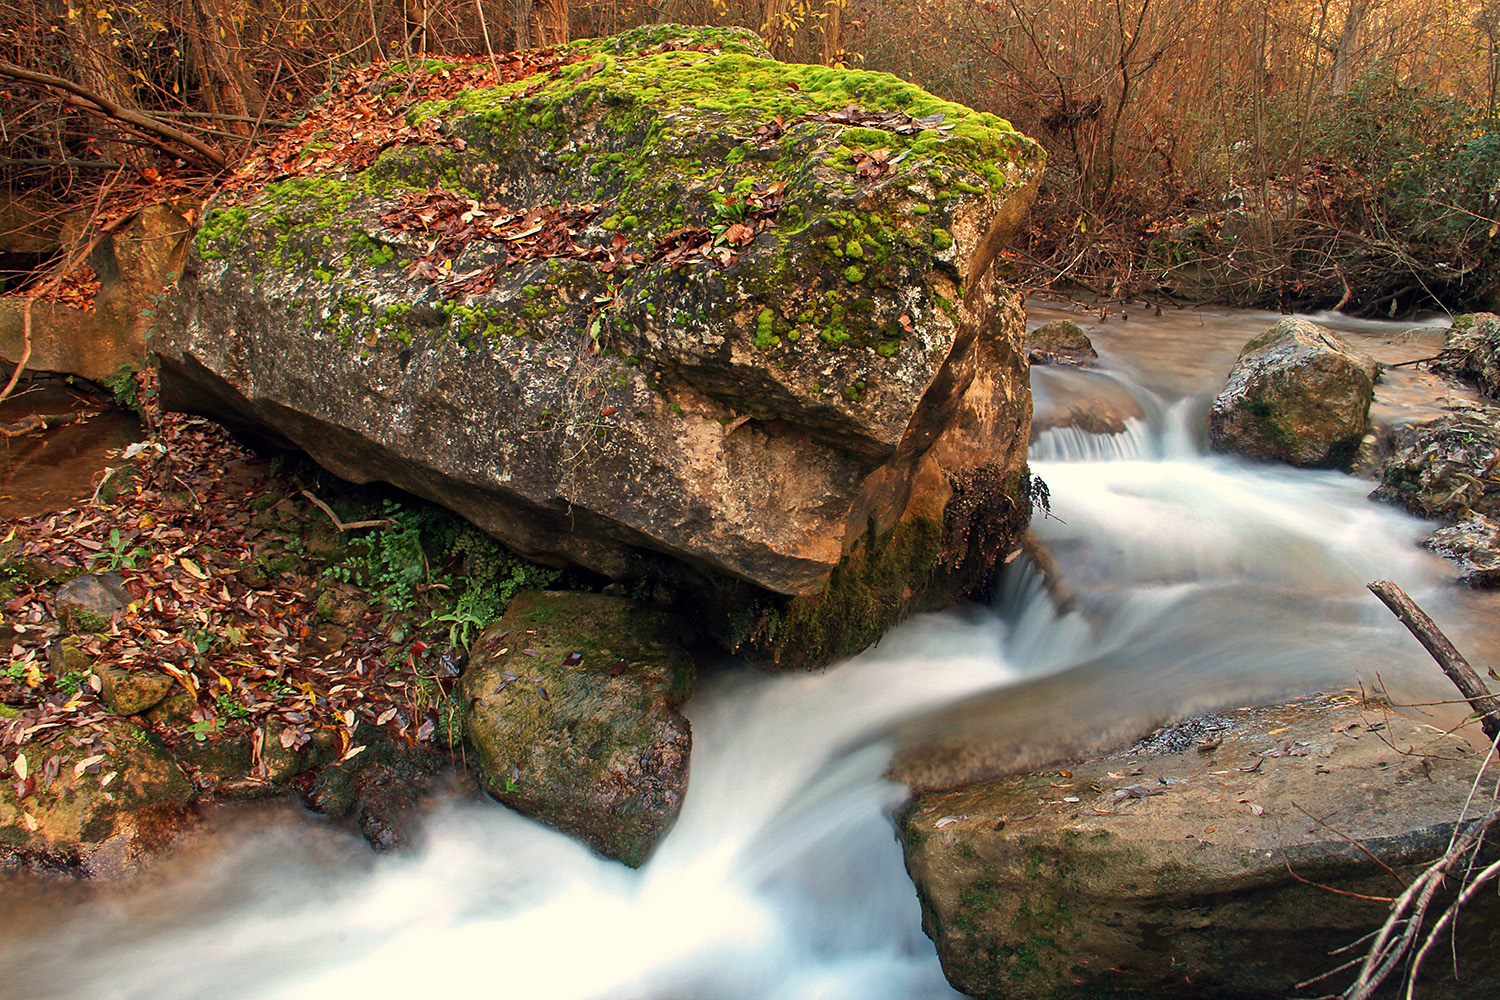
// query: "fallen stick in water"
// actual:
[[38, 422], [1464, 677]]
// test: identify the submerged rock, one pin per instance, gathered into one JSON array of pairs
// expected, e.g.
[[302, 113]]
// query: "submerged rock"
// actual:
[[1474, 544], [1060, 342], [1444, 467], [1298, 393], [1214, 858], [750, 324], [572, 704], [101, 807]]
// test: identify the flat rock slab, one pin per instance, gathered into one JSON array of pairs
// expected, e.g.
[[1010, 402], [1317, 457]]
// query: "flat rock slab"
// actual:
[[1189, 861], [572, 703]]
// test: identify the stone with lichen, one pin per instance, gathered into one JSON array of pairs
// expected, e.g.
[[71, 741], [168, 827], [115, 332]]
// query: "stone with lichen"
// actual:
[[766, 327]]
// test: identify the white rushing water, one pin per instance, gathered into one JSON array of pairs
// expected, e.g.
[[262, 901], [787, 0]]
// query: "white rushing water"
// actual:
[[1200, 580]]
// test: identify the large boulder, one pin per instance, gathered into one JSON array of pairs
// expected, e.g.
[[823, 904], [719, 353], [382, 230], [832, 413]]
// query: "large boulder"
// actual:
[[571, 700], [1444, 467], [1473, 351], [1227, 857], [135, 265], [669, 309], [1298, 393]]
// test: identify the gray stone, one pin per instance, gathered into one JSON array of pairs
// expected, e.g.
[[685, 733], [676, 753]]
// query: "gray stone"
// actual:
[[1474, 544], [572, 704], [1298, 393], [1199, 859], [86, 603]]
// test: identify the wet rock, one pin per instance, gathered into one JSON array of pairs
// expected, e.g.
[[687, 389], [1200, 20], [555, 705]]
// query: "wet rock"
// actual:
[[131, 691], [1444, 467], [1190, 858], [102, 808], [572, 704], [745, 420], [1474, 544], [86, 603], [1473, 351], [1060, 342], [383, 789], [1298, 393]]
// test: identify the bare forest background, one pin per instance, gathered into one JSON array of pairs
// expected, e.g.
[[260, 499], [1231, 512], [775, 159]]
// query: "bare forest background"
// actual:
[[1277, 153]]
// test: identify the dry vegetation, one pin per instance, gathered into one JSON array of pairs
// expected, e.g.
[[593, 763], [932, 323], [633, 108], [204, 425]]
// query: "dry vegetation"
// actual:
[[1267, 152]]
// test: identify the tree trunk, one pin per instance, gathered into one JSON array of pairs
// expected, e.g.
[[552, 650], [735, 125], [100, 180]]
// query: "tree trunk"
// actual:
[[833, 31], [1343, 53], [99, 69], [416, 14], [549, 23], [229, 85]]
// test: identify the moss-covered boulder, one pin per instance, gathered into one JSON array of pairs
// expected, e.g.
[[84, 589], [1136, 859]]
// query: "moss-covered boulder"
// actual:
[[98, 800], [671, 309], [1298, 393], [1229, 856], [1444, 467], [572, 703]]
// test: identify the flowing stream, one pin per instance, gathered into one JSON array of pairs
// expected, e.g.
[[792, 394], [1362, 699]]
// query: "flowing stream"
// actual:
[[1201, 581]]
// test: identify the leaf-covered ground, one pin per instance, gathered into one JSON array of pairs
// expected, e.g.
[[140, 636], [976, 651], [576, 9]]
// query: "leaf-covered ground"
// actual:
[[272, 622]]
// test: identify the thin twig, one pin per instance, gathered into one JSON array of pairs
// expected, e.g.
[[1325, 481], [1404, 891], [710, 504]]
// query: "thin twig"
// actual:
[[341, 525]]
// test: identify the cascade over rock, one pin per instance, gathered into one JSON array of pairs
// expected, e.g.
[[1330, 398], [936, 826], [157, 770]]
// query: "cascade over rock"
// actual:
[[1298, 393], [671, 311]]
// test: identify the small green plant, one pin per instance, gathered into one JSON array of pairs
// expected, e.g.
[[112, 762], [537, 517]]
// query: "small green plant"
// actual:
[[118, 553], [204, 728], [229, 706]]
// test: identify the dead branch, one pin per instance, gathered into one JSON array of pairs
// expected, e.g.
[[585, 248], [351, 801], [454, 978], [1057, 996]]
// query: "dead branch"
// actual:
[[1479, 697], [341, 525], [15, 376], [113, 110], [39, 422]]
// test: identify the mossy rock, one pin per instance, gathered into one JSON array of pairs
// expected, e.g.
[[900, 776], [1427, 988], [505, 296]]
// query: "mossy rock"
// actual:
[[1060, 342], [739, 418], [572, 704], [105, 818], [1298, 393]]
